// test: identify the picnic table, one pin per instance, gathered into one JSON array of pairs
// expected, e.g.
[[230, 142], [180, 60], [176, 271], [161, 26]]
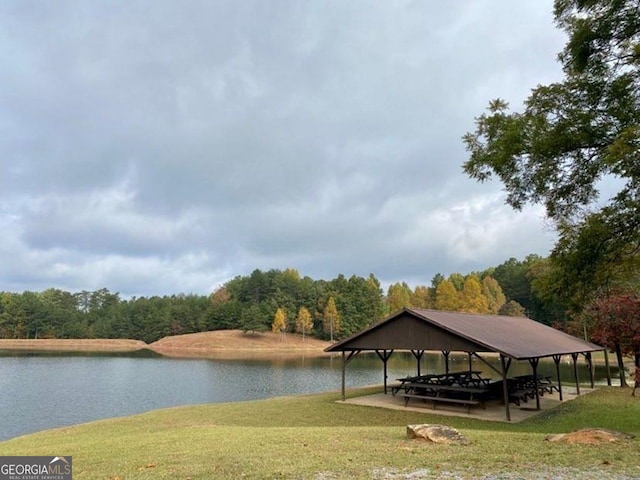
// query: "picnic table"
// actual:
[[524, 387], [462, 388], [471, 378], [469, 388]]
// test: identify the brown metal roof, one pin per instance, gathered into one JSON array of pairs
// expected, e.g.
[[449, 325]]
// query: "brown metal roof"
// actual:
[[417, 329]]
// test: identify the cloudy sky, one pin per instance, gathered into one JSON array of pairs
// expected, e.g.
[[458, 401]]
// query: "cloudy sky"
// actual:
[[161, 146]]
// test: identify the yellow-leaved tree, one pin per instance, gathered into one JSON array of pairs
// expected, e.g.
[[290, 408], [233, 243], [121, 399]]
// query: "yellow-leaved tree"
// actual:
[[304, 322], [398, 296], [471, 298], [495, 296], [446, 296], [279, 324], [331, 319], [421, 297]]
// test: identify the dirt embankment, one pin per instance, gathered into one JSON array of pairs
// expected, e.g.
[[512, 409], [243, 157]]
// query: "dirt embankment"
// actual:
[[237, 344], [76, 345], [218, 344]]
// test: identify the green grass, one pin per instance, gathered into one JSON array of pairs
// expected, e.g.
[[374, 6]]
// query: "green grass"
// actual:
[[314, 437]]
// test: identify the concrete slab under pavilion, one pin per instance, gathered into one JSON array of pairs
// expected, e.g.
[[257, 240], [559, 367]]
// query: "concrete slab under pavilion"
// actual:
[[493, 411]]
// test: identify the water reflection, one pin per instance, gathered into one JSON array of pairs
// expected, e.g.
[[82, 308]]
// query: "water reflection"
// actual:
[[141, 353]]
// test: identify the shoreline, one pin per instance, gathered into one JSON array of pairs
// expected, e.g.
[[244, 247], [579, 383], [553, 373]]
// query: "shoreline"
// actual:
[[221, 344], [74, 345]]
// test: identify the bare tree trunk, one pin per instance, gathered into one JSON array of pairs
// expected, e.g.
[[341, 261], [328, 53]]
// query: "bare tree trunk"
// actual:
[[623, 375]]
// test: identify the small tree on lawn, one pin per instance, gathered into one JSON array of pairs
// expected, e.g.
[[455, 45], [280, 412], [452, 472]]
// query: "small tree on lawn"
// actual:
[[279, 324], [331, 323], [304, 323]]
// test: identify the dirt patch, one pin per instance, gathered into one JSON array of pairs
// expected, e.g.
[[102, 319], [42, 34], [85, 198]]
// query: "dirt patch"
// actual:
[[589, 436]]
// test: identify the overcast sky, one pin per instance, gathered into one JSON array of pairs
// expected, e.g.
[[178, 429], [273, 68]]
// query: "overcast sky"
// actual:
[[162, 146]]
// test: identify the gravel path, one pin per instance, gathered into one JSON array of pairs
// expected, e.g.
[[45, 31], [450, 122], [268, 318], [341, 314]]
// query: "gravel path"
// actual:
[[560, 473], [564, 473]]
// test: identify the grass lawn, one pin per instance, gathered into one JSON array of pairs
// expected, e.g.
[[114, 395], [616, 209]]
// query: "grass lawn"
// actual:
[[312, 437]]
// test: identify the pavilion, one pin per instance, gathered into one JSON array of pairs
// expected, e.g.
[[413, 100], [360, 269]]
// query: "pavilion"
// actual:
[[513, 338]]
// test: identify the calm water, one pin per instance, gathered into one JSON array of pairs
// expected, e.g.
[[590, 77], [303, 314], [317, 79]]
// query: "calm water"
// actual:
[[43, 390]]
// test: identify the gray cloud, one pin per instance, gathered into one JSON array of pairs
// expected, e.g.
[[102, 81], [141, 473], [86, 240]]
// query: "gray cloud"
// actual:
[[154, 147]]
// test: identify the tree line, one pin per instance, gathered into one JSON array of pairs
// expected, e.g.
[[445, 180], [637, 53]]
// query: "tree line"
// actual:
[[55, 313], [278, 300]]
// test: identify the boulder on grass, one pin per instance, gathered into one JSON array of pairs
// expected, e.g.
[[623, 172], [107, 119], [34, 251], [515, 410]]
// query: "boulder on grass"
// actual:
[[589, 436], [437, 434]]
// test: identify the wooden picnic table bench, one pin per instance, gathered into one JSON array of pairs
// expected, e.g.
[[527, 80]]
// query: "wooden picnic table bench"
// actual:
[[435, 399], [524, 387], [418, 379], [518, 396], [442, 393], [546, 385]]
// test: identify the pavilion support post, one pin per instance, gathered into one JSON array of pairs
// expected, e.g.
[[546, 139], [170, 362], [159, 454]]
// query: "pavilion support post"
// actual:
[[574, 357], [446, 360], [418, 354], [556, 360], [534, 366], [505, 387], [470, 363], [345, 360], [589, 359], [344, 374], [384, 356], [384, 363], [508, 363], [607, 366]]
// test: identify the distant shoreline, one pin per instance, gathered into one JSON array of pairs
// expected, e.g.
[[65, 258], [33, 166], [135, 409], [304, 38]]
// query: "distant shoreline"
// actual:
[[222, 344], [219, 344], [80, 345]]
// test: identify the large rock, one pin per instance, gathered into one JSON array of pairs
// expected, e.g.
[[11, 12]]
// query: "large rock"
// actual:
[[589, 436], [437, 434]]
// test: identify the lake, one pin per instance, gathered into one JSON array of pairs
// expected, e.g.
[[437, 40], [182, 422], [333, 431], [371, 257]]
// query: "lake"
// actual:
[[42, 390]]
